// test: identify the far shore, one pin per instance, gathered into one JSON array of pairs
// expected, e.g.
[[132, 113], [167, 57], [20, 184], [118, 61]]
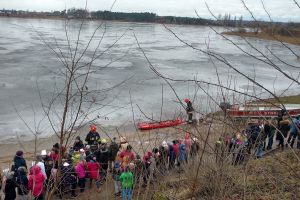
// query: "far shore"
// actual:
[[265, 36], [95, 20]]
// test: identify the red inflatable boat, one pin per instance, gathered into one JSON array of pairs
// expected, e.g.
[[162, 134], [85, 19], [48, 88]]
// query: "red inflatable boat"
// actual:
[[162, 124]]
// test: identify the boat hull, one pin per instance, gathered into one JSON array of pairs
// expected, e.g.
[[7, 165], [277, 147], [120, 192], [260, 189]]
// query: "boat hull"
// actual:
[[157, 125]]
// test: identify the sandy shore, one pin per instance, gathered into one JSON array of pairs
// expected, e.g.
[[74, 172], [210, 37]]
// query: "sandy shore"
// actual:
[[140, 140]]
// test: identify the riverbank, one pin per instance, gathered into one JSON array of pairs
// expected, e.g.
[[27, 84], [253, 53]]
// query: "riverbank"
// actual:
[[140, 140], [265, 36]]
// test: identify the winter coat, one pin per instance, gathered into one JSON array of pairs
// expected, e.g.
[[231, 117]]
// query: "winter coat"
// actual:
[[76, 158], [10, 189], [54, 156], [126, 157], [80, 171], [102, 156], [42, 166], [189, 107], [171, 152], [293, 126], [127, 180], [93, 170], [36, 181], [19, 162], [22, 181], [78, 145], [113, 150], [188, 144], [92, 138], [176, 150], [68, 175], [182, 152], [284, 128]]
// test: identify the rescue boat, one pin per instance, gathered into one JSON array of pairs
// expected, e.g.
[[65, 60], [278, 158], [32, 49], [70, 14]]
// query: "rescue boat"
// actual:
[[162, 124]]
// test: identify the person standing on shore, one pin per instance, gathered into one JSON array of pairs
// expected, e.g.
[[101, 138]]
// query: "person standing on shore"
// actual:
[[9, 186], [40, 163], [189, 110], [22, 183], [126, 179], [293, 131], [126, 157], [284, 128], [92, 138], [36, 182], [78, 144], [19, 161]]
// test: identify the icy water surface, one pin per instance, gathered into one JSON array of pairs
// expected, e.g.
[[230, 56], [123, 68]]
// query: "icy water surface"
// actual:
[[28, 66]]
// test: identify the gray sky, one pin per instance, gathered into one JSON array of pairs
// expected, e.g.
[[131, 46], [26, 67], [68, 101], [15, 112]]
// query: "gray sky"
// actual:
[[280, 10]]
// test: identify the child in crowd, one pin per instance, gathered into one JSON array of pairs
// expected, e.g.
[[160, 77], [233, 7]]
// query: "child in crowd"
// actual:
[[22, 182], [93, 168], [116, 175], [36, 182], [9, 186], [80, 171], [126, 179]]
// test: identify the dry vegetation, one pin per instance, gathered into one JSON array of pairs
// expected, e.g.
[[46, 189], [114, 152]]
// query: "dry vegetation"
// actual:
[[275, 34]]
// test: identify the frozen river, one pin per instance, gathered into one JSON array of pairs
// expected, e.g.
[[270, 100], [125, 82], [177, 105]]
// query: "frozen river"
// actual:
[[28, 66]]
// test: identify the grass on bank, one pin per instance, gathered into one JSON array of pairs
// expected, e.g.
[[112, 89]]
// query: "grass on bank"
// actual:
[[266, 34]]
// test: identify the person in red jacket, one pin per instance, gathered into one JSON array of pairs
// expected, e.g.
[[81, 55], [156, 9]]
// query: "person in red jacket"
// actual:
[[93, 168], [176, 148], [36, 182], [126, 156]]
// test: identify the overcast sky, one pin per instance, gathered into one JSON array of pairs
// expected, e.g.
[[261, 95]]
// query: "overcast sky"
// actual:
[[280, 10]]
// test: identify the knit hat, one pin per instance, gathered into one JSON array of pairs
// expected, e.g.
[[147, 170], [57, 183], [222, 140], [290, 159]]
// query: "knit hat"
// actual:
[[19, 153], [81, 150], [117, 164], [43, 153]]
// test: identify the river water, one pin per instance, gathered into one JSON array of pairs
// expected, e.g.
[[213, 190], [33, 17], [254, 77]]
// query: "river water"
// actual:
[[29, 70]]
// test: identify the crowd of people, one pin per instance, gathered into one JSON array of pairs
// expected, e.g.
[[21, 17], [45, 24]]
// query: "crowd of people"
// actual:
[[258, 137], [91, 164]]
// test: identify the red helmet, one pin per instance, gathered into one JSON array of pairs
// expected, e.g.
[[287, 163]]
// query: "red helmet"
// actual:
[[93, 128], [186, 100]]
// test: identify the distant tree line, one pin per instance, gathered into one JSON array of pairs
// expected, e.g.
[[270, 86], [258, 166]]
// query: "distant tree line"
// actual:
[[221, 20]]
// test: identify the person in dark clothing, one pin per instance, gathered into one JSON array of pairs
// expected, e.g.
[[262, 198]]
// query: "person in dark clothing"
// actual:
[[102, 156], [78, 144], [49, 164], [68, 180], [171, 156], [294, 126], [253, 132], [195, 147], [189, 110], [19, 161], [281, 113], [284, 128], [88, 154], [163, 159], [92, 138], [22, 181], [113, 149], [10, 187]]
